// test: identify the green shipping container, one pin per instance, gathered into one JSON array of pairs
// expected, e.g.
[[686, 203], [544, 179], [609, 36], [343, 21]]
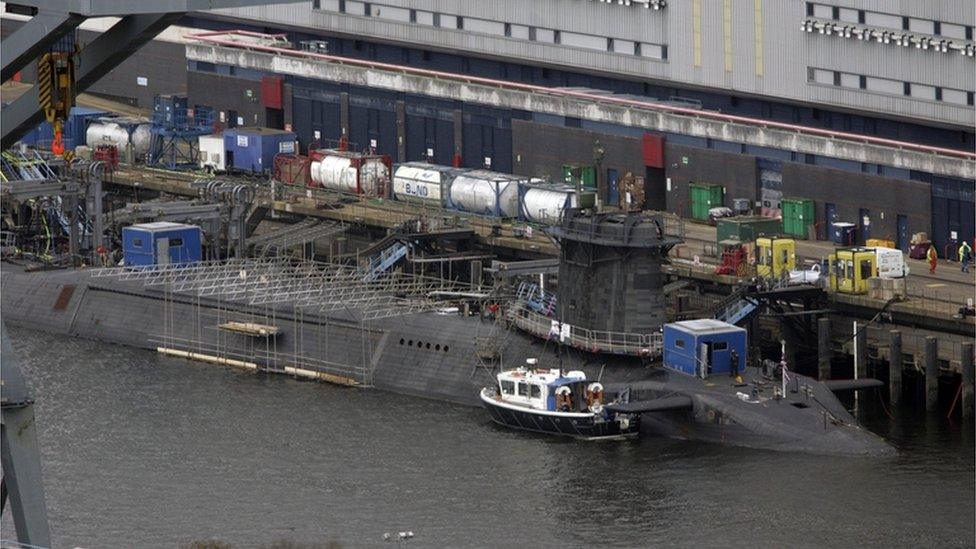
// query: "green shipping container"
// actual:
[[746, 228], [798, 216], [704, 198], [587, 174]]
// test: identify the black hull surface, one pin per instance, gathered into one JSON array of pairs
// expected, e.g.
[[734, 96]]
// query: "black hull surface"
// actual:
[[580, 426]]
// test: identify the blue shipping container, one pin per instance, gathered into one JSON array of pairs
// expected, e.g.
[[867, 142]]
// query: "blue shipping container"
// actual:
[[703, 347], [161, 243], [253, 149], [73, 132]]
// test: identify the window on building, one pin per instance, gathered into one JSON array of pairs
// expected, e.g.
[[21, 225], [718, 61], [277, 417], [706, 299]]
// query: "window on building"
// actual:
[[175, 242], [508, 30], [809, 9], [437, 19], [342, 6], [938, 94], [137, 242], [557, 37], [610, 44], [720, 346], [679, 343], [316, 5], [907, 89], [532, 33], [460, 22], [969, 98], [413, 16]]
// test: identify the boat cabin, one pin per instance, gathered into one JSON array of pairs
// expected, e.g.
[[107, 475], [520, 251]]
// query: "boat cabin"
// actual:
[[548, 389], [704, 347]]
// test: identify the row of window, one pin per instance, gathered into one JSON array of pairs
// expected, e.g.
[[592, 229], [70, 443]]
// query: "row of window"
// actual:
[[889, 86], [427, 345], [497, 28], [529, 390], [890, 21]]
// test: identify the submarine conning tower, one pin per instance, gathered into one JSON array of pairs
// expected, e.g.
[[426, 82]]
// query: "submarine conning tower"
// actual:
[[610, 275]]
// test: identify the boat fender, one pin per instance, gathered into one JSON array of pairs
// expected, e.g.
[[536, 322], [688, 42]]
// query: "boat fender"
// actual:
[[564, 390], [624, 422], [596, 408]]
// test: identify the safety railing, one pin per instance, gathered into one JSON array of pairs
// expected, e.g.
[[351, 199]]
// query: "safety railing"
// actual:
[[595, 341]]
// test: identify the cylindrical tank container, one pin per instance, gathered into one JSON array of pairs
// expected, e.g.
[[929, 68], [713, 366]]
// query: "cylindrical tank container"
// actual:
[[487, 193], [351, 172], [545, 203], [112, 133], [423, 183], [140, 139]]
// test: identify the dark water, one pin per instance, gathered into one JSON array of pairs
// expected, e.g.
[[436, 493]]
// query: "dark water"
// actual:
[[145, 451]]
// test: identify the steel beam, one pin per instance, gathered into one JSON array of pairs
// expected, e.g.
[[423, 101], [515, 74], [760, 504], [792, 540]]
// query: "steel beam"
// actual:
[[34, 38], [98, 58], [19, 453]]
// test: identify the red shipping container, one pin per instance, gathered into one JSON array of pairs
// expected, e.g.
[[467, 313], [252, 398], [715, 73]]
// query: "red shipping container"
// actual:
[[653, 150], [271, 91]]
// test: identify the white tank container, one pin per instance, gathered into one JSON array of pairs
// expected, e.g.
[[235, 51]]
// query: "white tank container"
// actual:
[[546, 205], [106, 133], [140, 139], [420, 182], [484, 192], [373, 176], [111, 133], [336, 172]]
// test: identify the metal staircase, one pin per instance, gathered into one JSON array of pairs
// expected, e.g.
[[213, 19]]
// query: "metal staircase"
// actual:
[[737, 307], [385, 260], [536, 298]]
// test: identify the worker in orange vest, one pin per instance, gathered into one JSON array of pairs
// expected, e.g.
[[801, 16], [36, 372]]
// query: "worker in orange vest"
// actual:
[[933, 258]]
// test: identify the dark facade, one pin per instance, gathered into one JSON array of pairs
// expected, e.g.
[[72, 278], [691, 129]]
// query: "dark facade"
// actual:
[[893, 209]]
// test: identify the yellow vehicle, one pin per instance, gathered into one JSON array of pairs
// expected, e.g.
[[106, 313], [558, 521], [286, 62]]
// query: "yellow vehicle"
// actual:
[[850, 269], [775, 257]]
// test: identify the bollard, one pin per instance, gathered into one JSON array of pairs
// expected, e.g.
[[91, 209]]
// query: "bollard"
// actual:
[[967, 379], [894, 367], [823, 348], [931, 372], [861, 358]]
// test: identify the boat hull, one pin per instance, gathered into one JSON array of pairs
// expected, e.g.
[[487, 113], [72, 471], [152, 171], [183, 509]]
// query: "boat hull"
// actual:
[[586, 426]]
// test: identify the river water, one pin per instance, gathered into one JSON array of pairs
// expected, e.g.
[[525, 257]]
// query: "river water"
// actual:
[[141, 450]]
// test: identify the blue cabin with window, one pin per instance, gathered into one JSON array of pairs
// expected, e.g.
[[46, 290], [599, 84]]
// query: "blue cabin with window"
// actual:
[[161, 243], [703, 347]]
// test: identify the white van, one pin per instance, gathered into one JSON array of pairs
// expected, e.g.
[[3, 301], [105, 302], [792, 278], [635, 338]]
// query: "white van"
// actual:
[[891, 263]]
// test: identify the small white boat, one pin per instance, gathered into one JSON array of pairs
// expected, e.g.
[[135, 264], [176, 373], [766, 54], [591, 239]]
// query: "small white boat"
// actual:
[[550, 401]]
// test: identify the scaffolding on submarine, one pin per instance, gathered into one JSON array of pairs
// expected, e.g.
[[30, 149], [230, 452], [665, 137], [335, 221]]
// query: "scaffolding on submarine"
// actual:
[[282, 314]]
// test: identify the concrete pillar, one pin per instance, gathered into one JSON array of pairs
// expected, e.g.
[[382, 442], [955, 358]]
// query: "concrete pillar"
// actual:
[[458, 136], [861, 358], [894, 366], [967, 379], [823, 348], [287, 108], [344, 116], [401, 131], [476, 273], [931, 372]]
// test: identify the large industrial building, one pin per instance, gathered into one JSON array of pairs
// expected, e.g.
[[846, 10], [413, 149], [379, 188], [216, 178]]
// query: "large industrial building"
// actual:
[[864, 106]]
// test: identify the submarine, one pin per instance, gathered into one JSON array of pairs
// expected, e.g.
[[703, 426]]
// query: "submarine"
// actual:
[[609, 321]]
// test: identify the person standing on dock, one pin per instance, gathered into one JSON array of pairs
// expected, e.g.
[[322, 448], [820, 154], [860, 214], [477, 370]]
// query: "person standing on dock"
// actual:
[[965, 255], [933, 258]]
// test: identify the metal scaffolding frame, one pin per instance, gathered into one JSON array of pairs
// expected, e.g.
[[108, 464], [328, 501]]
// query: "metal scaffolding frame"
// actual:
[[273, 291]]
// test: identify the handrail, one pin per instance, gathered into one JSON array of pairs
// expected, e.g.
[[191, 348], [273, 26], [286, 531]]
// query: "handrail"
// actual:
[[213, 37]]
